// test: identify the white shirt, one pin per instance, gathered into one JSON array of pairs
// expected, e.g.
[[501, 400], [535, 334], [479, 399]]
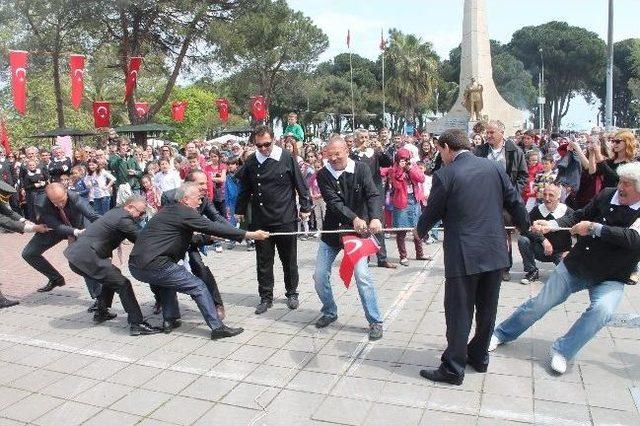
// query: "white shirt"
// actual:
[[351, 168], [166, 181], [276, 153]]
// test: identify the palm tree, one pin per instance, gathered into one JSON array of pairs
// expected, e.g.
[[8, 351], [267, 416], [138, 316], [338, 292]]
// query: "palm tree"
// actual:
[[413, 70]]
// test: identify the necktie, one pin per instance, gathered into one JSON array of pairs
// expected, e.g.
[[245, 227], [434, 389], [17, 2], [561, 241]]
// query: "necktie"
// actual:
[[66, 221]]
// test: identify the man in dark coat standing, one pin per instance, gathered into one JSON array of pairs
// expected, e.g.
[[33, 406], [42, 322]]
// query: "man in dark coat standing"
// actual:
[[270, 181], [90, 257], [468, 195]]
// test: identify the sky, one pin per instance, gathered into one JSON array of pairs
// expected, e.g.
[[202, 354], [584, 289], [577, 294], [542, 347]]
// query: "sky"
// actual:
[[440, 22]]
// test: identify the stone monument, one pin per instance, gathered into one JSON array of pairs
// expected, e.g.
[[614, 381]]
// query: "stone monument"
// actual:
[[478, 97]]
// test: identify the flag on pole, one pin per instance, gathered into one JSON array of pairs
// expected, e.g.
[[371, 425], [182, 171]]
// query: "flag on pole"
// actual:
[[349, 38], [355, 248], [383, 43], [4, 137], [132, 76], [101, 114], [258, 108], [76, 65], [18, 64], [177, 110], [142, 108]]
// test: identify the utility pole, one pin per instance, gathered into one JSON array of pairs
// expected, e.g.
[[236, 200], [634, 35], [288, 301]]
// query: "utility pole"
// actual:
[[541, 99], [608, 108]]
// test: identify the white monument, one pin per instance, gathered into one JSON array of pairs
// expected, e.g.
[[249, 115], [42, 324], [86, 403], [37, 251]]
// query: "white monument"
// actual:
[[478, 98]]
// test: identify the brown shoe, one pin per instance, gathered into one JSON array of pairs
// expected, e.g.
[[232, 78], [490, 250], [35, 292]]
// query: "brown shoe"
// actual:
[[387, 264], [423, 257]]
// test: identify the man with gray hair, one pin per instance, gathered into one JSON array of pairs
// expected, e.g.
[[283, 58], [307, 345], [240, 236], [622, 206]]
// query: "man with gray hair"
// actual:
[[605, 256], [164, 242]]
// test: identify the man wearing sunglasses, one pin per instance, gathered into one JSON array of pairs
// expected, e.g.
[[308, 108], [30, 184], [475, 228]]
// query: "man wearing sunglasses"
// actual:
[[90, 257], [270, 181]]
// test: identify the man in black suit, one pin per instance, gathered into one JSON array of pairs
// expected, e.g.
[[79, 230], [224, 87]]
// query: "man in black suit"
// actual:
[[12, 221], [468, 195], [371, 153], [270, 180], [90, 257], [65, 213], [207, 209]]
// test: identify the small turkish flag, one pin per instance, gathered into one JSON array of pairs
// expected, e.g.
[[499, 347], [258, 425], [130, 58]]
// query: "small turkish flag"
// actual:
[[223, 108], [177, 110], [132, 76], [142, 108], [18, 64], [4, 137], [101, 114], [349, 38], [383, 43], [76, 64], [355, 248], [258, 108]]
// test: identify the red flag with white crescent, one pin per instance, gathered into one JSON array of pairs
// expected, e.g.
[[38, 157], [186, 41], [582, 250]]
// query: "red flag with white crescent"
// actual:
[[76, 64], [142, 108], [4, 137], [18, 65], [132, 76], [258, 108], [355, 248], [177, 110], [223, 108], [101, 114]]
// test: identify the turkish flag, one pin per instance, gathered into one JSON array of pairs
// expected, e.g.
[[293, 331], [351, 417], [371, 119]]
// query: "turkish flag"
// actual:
[[142, 108], [4, 137], [223, 108], [258, 108], [132, 76], [101, 114], [177, 110], [355, 248], [76, 64], [18, 64]]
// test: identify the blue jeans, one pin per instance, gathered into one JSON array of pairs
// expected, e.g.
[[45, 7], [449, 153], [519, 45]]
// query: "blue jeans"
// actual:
[[101, 205], [175, 278], [364, 281], [604, 297]]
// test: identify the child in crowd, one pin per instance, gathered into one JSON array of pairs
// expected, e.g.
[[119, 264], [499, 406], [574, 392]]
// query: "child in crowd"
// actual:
[[231, 190], [99, 181], [77, 181]]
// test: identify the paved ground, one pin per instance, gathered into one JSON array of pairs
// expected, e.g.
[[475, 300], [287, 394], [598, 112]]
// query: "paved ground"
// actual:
[[56, 367]]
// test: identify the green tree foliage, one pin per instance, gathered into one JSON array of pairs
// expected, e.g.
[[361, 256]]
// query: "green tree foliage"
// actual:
[[574, 60]]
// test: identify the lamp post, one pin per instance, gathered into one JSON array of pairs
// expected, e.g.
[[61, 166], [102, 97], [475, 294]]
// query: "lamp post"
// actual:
[[541, 99], [608, 108]]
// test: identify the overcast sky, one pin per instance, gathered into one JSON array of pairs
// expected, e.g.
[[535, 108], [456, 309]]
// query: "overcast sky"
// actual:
[[440, 22]]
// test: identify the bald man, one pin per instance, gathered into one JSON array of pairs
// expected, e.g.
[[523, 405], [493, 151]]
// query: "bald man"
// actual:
[[66, 214]]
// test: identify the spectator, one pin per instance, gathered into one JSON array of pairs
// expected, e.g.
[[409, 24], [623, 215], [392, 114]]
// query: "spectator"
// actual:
[[216, 171], [545, 176], [167, 178], [33, 181], [125, 168], [530, 192], [624, 150], [77, 182], [100, 184], [151, 194], [293, 127]]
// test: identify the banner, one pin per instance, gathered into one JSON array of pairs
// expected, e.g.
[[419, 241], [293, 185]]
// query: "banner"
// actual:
[[355, 248], [76, 65], [66, 144], [101, 114], [223, 108], [142, 108], [18, 65], [258, 108], [132, 76], [177, 110]]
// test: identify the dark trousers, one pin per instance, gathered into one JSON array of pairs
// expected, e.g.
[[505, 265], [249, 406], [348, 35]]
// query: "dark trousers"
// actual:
[[532, 251], [402, 246], [175, 278], [114, 282], [287, 247], [382, 253], [202, 271], [32, 254], [461, 296]]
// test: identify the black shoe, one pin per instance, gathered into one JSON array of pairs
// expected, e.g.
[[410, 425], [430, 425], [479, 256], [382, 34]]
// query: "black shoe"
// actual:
[[51, 285], [157, 308], [143, 329], [506, 276], [437, 375], [224, 331], [325, 320], [263, 306], [169, 325], [100, 317], [94, 307], [292, 302], [531, 277], [479, 367], [375, 331], [6, 303]]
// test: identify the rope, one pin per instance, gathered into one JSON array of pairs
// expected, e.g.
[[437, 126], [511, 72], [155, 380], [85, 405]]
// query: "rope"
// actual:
[[353, 231]]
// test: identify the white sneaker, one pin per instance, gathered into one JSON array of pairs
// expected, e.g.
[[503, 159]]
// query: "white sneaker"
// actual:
[[218, 249], [558, 362], [494, 343]]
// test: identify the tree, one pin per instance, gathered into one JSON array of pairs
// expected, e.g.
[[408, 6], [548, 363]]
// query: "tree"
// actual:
[[267, 41], [413, 74], [574, 60]]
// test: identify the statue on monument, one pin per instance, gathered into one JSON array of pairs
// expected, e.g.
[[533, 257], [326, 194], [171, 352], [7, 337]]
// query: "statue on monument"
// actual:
[[473, 99]]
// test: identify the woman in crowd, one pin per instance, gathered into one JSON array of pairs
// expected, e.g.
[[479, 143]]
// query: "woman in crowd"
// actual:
[[623, 151], [407, 197], [33, 179], [99, 182], [530, 191]]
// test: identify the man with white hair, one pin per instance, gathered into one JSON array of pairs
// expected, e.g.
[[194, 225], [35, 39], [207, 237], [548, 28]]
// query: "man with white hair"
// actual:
[[602, 261]]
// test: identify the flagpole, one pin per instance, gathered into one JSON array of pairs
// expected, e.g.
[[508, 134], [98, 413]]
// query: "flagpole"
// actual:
[[353, 108]]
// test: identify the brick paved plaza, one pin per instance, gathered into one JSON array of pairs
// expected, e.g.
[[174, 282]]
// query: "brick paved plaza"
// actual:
[[57, 367]]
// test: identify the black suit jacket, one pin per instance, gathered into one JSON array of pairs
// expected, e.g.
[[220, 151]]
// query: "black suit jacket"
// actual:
[[9, 219], [516, 166], [77, 210], [99, 240], [468, 196]]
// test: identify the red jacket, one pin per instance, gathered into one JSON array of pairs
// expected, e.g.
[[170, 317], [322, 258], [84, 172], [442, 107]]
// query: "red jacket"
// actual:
[[400, 180], [529, 190]]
